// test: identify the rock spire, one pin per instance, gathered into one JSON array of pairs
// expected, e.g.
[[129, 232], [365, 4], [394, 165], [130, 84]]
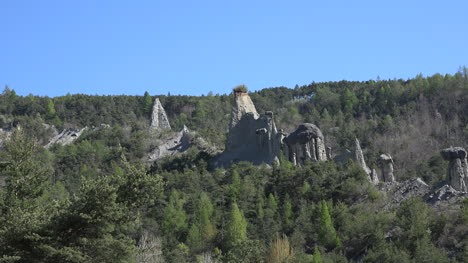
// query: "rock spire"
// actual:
[[159, 118], [457, 171]]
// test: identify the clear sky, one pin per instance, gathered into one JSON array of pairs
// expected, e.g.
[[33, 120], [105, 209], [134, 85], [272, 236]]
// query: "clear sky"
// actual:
[[193, 47]]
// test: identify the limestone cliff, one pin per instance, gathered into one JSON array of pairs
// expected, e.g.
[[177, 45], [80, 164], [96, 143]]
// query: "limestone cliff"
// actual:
[[159, 118]]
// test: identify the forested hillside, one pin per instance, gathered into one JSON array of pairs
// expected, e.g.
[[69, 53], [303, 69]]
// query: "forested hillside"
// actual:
[[99, 200]]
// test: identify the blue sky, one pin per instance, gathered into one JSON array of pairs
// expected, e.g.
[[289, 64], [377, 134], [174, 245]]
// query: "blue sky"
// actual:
[[193, 47]]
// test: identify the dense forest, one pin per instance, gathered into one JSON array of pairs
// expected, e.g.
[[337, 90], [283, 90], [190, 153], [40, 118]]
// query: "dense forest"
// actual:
[[99, 200]]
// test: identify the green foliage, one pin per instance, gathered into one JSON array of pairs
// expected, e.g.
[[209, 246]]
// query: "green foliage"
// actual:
[[236, 227], [147, 103], [327, 233], [241, 88], [85, 203], [174, 217], [317, 258]]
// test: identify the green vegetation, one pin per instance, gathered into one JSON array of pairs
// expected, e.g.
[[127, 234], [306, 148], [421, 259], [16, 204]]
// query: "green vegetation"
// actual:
[[97, 201], [240, 89]]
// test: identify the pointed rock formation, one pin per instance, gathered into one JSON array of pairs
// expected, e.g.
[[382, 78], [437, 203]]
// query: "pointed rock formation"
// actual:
[[159, 118], [242, 106], [359, 159], [305, 143], [252, 137], [457, 171], [386, 166]]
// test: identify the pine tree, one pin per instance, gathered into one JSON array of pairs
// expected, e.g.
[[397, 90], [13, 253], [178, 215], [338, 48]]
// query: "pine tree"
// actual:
[[147, 103], [175, 219], [317, 258], [50, 109], [202, 219], [236, 229], [327, 233], [287, 215]]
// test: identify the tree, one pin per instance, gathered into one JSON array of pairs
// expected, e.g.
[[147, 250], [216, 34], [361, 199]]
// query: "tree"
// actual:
[[317, 258], [175, 220], [236, 229], [280, 251], [147, 103], [272, 221], [202, 230], [288, 216], [25, 209], [50, 109], [327, 233]]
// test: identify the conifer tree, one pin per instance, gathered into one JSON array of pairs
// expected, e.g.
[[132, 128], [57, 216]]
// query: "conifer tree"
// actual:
[[147, 103], [317, 258], [236, 230], [327, 233], [175, 219]]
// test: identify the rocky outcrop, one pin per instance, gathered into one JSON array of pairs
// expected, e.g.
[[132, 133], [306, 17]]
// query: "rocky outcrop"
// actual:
[[457, 171], [4, 135], [252, 137], [305, 143], [65, 137], [397, 192], [359, 157], [242, 106], [178, 143], [159, 118], [386, 167]]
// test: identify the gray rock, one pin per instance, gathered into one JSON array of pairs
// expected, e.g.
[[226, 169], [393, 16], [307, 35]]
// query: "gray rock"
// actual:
[[242, 106], [4, 135], [65, 137], [251, 137], [305, 143], [457, 171], [386, 166], [159, 118], [397, 192], [176, 144], [359, 159]]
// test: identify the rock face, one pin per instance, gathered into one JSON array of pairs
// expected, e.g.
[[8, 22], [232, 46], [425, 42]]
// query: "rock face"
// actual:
[[242, 106], [457, 171], [252, 137], [178, 143], [159, 118], [66, 137], [305, 143], [359, 159], [386, 166], [4, 135]]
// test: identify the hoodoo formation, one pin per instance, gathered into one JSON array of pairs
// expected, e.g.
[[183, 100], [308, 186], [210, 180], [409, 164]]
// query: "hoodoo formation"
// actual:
[[159, 118], [254, 137], [457, 171]]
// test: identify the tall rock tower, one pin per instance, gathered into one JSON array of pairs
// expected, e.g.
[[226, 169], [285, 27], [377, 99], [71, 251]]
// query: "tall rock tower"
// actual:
[[252, 137], [159, 120]]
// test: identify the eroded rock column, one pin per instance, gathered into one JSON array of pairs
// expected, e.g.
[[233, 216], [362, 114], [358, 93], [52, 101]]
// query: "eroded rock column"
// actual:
[[386, 166], [457, 171]]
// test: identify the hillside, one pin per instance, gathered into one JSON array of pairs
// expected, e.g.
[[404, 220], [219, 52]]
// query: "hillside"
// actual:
[[105, 178]]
